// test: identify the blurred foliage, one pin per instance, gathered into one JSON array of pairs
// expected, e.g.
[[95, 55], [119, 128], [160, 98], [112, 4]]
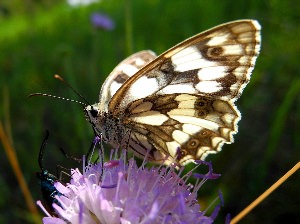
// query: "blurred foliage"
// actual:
[[41, 38]]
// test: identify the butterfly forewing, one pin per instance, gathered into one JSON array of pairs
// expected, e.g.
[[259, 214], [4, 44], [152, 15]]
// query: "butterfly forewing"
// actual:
[[181, 104], [217, 63]]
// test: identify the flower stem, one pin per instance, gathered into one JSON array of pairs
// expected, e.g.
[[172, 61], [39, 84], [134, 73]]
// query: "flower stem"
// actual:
[[243, 213], [12, 157]]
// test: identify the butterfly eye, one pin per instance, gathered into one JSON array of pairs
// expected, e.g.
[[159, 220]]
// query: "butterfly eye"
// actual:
[[94, 112]]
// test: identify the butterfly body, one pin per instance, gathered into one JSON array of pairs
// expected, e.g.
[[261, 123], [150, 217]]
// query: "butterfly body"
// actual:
[[181, 103]]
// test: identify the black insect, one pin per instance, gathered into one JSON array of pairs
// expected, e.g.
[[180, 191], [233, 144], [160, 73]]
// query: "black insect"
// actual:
[[48, 180]]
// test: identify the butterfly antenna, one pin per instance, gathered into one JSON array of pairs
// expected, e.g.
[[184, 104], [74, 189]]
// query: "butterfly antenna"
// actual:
[[57, 97], [63, 98], [56, 76]]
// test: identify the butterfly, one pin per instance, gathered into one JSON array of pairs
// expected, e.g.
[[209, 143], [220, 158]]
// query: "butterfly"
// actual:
[[179, 105]]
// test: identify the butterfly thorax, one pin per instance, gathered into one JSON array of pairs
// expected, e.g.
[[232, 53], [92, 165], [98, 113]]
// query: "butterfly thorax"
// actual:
[[106, 125]]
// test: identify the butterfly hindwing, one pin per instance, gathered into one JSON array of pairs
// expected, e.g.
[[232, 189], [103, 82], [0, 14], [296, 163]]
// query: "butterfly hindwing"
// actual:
[[196, 125], [123, 71]]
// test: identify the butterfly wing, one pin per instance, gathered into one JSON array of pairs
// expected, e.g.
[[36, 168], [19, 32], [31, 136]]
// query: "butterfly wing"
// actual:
[[126, 69], [216, 63], [185, 127], [182, 103]]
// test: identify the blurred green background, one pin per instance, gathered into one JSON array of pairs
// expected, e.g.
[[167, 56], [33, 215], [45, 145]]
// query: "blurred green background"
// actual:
[[41, 38]]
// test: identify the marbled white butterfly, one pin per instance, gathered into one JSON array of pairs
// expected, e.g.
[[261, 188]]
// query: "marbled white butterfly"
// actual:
[[181, 103]]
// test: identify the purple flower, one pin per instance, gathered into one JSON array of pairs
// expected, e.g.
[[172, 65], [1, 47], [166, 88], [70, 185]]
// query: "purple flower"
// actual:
[[100, 20], [122, 192]]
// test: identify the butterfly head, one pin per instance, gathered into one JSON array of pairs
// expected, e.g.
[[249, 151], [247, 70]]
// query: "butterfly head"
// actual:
[[106, 125], [93, 115], [91, 111]]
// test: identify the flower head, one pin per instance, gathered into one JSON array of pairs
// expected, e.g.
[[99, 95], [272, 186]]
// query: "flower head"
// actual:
[[100, 20], [122, 192]]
